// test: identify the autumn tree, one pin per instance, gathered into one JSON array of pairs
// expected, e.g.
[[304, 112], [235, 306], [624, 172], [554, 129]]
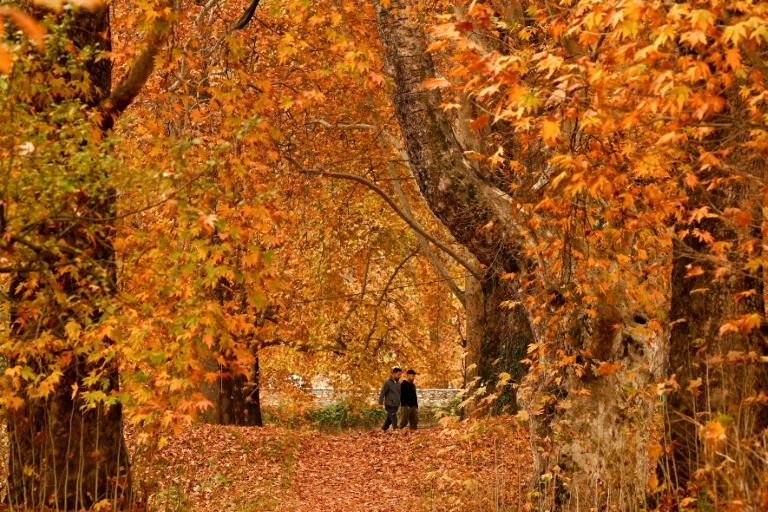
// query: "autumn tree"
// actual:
[[583, 107], [64, 419]]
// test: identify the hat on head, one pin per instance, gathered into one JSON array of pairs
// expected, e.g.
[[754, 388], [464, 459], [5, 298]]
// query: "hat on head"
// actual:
[[396, 369], [411, 372]]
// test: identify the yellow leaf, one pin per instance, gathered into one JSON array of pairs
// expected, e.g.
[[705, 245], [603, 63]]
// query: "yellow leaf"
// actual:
[[655, 451], [549, 130], [694, 385]]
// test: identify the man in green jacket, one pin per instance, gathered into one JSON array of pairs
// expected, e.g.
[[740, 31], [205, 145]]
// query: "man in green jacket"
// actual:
[[390, 398]]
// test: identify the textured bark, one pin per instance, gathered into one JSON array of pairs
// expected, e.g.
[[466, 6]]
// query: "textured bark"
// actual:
[[475, 212], [474, 313], [591, 449], [78, 456], [726, 364], [605, 417], [455, 193], [63, 455], [236, 399]]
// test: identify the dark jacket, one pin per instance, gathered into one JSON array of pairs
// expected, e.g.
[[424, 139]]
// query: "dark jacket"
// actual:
[[390, 393], [408, 396]]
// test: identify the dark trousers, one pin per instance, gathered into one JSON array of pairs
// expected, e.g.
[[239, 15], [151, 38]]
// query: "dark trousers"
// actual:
[[391, 417], [409, 416]]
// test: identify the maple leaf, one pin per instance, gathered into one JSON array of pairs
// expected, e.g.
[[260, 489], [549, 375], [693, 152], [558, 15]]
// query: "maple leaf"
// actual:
[[606, 368], [712, 433], [550, 129], [435, 83], [207, 222]]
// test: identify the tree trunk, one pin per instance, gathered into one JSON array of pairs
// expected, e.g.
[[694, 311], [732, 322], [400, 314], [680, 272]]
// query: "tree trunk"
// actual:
[[605, 414], [455, 192], [253, 401], [591, 430], [65, 454], [236, 399], [717, 369]]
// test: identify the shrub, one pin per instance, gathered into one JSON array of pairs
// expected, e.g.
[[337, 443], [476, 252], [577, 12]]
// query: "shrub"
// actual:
[[346, 414]]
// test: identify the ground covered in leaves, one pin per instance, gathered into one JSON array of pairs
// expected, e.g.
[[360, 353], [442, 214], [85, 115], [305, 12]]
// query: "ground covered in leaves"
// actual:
[[459, 467]]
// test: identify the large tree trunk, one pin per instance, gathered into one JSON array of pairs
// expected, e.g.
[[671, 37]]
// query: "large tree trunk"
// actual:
[[236, 399], [604, 466], [591, 431], [65, 454], [717, 368], [454, 191], [67, 449]]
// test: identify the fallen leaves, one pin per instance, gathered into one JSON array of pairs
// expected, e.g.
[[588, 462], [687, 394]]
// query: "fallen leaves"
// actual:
[[212, 468]]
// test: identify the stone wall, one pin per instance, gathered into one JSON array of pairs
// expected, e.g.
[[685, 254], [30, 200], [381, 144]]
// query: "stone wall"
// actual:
[[322, 397]]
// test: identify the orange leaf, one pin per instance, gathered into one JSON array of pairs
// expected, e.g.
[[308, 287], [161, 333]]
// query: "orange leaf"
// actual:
[[6, 63], [712, 433], [435, 83], [480, 122], [607, 368], [27, 24], [549, 130]]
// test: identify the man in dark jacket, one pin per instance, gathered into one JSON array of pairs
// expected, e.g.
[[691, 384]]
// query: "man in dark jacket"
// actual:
[[390, 398], [409, 402]]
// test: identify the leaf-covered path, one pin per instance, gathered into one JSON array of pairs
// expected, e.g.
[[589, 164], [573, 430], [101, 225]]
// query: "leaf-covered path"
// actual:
[[370, 471], [211, 468]]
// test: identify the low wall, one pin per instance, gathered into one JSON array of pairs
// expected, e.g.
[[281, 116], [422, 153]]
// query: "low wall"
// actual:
[[322, 397]]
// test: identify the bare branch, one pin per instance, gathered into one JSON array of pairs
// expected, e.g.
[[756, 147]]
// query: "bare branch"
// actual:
[[381, 136], [384, 293], [412, 223], [338, 126], [339, 333]]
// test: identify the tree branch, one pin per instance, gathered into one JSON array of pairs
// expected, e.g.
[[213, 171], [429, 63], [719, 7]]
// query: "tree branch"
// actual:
[[338, 126], [247, 15], [384, 293], [340, 332], [431, 256], [412, 223], [381, 136], [133, 81]]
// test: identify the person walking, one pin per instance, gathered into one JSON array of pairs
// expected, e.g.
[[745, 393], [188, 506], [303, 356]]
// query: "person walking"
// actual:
[[409, 402], [390, 398]]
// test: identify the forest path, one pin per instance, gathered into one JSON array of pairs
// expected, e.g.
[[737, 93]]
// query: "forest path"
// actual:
[[374, 471], [215, 468]]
